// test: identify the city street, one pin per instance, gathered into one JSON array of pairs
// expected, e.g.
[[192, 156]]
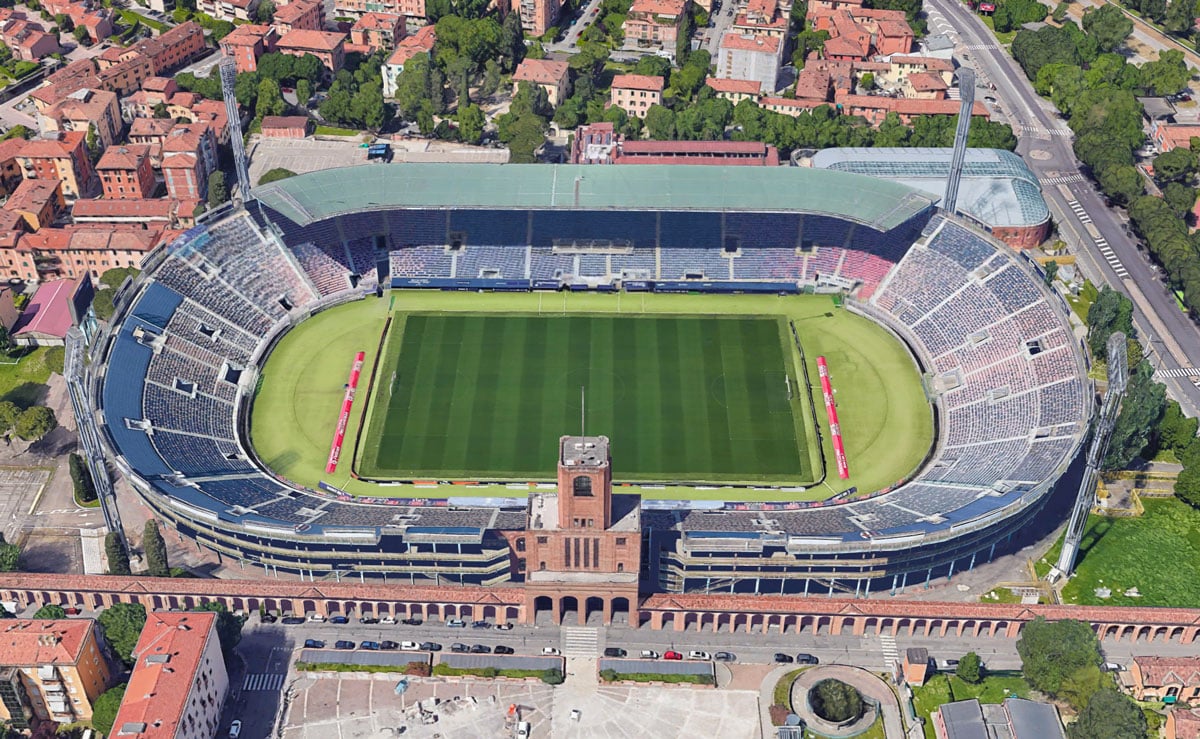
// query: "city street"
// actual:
[[1096, 233]]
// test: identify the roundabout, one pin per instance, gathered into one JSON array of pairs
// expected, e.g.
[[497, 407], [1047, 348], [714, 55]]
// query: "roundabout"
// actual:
[[878, 698]]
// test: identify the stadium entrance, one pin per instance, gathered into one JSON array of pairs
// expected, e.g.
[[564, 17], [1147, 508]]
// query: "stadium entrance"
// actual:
[[582, 546]]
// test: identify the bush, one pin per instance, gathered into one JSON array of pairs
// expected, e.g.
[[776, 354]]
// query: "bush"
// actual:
[[552, 676], [104, 711], [834, 700], [418, 669], [81, 479], [609, 675], [50, 611]]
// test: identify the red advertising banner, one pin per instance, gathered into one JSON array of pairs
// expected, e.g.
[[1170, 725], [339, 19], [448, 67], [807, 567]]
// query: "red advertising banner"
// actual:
[[835, 429], [335, 451]]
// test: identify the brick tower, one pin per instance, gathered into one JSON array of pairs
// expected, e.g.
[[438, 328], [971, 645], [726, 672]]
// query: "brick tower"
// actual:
[[583, 545]]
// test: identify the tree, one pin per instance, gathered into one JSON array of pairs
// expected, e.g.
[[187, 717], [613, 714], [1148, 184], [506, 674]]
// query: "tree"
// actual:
[[1175, 165], [229, 626], [104, 710], [512, 42], [50, 611], [1181, 14], [1140, 411], [1051, 269], [1166, 75], [304, 92], [1180, 197], [867, 81], [156, 550], [217, 192], [660, 122], [1047, 45], [1078, 687], [81, 35], [274, 175], [470, 124], [492, 72], [1187, 484], [270, 99], [1110, 311], [1052, 650], [9, 413], [1175, 430], [10, 555], [94, 147], [118, 558], [1108, 25], [834, 700], [123, 624], [1122, 182], [970, 668], [81, 479], [1109, 715], [265, 12], [35, 422]]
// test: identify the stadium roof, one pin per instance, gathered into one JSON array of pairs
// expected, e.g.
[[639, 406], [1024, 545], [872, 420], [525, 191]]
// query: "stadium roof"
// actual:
[[319, 195], [997, 187]]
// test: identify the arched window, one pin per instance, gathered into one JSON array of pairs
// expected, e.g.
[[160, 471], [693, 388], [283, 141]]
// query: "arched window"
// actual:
[[582, 485]]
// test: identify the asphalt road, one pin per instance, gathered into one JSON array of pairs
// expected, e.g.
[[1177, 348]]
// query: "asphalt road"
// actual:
[[1096, 233]]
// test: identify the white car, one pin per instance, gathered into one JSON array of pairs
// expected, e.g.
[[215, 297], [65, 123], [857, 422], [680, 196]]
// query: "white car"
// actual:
[[389, 620], [551, 652], [235, 729], [316, 618], [523, 730], [410, 646], [649, 654], [697, 654]]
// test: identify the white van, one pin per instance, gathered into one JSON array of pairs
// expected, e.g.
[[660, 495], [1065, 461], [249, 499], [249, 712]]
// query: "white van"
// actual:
[[649, 654]]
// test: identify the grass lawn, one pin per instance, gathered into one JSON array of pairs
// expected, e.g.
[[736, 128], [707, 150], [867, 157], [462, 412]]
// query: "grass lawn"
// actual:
[[1004, 38], [335, 131], [701, 398], [23, 381], [945, 688], [1158, 553], [1082, 302], [884, 414]]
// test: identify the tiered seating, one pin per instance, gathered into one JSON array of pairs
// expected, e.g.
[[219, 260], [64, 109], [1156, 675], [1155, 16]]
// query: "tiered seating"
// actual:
[[416, 228], [327, 273], [824, 262], [546, 265], [766, 263], [639, 262], [201, 414], [489, 227], [959, 244], [214, 295], [420, 261], [867, 269], [593, 265], [824, 231], [195, 325], [196, 455], [689, 231], [242, 255], [763, 230], [508, 261], [676, 263]]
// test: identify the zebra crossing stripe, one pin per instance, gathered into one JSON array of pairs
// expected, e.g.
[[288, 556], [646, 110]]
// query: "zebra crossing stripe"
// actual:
[[1178, 372], [263, 681]]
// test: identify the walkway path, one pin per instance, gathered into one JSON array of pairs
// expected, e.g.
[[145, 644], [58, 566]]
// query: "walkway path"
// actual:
[[867, 683]]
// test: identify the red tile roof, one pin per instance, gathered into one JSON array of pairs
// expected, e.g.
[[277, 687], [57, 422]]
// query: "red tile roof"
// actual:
[[1187, 723], [653, 83], [247, 35], [48, 312], [305, 39], [736, 87], [927, 81], [1159, 671], [931, 63], [155, 208], [764, 44], [376, 21], [168, 656], [541, 71], [124, 157], [668, 8], [812, 84], [284, 121], [43, 641], [421, 41], [32, 195], [293, 11], [59, 147]]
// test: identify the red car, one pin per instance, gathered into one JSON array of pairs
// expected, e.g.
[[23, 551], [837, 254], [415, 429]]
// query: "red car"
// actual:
[[672, 655]]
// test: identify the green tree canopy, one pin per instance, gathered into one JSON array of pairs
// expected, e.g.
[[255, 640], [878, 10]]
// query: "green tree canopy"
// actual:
[[123, 624], [970, 668], [470, 124], [118, 558], [1175, 165], [834, 700], [10, 555], [156, 550], [35, 422], [104, 710], [1166, 75], [1051, 651], [9, 413], [218, 192], [1176, 431], [265, 12], [50, 611], [1111, 311], [1140, 411], [1108, 25], [1047, 45], [1109, 715], [274, 175]]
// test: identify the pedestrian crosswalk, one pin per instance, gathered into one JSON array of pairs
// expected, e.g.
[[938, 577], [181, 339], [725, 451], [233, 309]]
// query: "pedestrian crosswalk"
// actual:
[[980, 47], [263, 681], [580, 641], [891, 653], [1111, 257], [1177, 372], [1040, 131], [1079, 212], [1062, 180]]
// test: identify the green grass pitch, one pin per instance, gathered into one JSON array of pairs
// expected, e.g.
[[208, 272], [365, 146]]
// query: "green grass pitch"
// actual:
[[693, 398], [885, 417]]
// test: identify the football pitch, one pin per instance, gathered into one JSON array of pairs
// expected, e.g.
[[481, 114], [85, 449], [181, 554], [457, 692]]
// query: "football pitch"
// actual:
[[684, 398], [689, 388]]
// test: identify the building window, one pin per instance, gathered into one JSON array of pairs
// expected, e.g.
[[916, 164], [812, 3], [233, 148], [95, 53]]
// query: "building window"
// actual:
[[521, 544], [582, 485], [620, 541], [542, 540], [620, 566]]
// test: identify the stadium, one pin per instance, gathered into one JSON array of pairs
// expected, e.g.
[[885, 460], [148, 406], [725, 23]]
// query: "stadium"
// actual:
[[179, 380]]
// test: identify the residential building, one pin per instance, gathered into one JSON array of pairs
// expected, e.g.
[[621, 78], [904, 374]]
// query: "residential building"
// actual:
[[635, 93], [38, 202], [598, 143], [1016, 718], [813, 84], [229, 10], [1155, 678], [594, 143], [1183, 724], [750, 58], [54, 253], [789, 106], [60, 156], [189, 156], [735, 91], [299, 15], [245, 44], [420, 42], [655, 23], [858, 33], [50, 670], [152, 132], [413, 10], [27, 40], [538, 16], [10, 167], [761, 18], [1167, 136], [126, 173], [172, 48], [327, 47], [829, 6], [285, 126], [900, 66], [83, 109], [549, 75], [52, 311], [875, 108], [156, 212], [98, 22], [924, 86], [377, 31], [179, 682], [162, 6]]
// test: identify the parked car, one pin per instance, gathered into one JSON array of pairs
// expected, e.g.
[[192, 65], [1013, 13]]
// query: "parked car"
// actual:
[[459, 647], [501, 649], [783, 659], [371, 645], [456, 623], [314, 644], [343, 644], [430, 646], [266, 618], [410, 646], [697, 654], [725, 657], [504, 627], [948, 664], [480, 649], [649, 654], [614, 652], [523, 730], [71, 611], [480, 625], [368, 620], [339, 620], [293, 620], [389, 620], [412, 622], [670, 654], [551, 652], [389, 645], [317, 618], [804, 658], [235, 729]]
